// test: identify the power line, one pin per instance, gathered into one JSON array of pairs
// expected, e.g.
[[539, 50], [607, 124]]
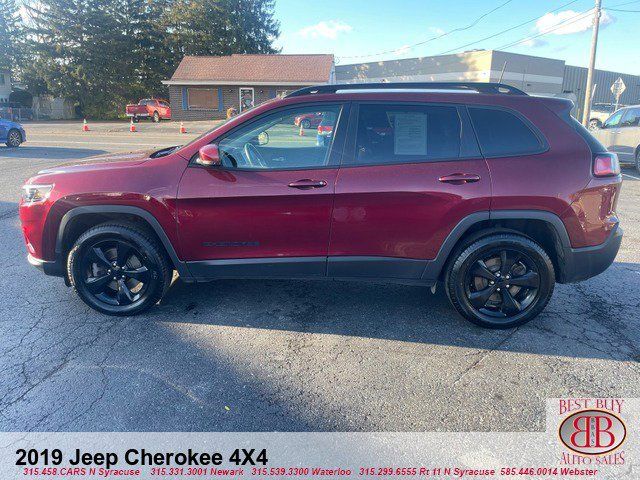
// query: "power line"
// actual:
[[558, 26], [460, 29], [507, 30]]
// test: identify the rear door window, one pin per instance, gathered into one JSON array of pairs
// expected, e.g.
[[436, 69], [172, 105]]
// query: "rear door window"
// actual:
[[502, 133], [407, 133]]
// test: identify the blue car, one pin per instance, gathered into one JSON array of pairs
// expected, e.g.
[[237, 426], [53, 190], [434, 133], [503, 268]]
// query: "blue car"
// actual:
[[12, 133]]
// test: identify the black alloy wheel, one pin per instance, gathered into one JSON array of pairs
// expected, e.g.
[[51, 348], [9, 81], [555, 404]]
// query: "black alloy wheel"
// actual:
[[115, 272], [14, 138], [118, 269], [501, 281]]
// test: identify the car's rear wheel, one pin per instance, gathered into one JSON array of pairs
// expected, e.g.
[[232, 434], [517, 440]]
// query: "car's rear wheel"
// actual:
[[500, 281], [638, 160], [118, 269], [306, 123], [156, 117], [14, 138]]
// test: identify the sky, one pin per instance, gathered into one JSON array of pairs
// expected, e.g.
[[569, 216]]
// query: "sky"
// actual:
[[370, 30]]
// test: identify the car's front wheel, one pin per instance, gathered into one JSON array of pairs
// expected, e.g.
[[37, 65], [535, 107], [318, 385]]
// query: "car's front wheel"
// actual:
[[306, 124], [594, 124], [156, 117], [118, 269], [638, 160], [500, 281], [14, 138]]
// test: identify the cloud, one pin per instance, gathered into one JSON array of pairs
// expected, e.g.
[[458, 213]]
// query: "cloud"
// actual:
[[570, 24], [330, 30], [534, 43]]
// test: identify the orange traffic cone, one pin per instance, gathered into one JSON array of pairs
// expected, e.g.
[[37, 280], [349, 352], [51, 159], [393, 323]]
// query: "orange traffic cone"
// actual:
[[85, 127], [301, 133], [182, 129], [132, 127]]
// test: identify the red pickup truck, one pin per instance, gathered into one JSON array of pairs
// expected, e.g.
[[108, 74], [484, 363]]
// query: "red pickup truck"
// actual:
[[151, 108]]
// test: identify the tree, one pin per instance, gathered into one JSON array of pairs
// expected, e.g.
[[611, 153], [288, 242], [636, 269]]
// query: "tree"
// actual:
[[103, 53], [10, 34], [221, 27]]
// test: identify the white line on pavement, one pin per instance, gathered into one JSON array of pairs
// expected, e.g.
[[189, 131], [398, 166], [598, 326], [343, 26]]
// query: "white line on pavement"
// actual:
[[126, 144], [631, 176]]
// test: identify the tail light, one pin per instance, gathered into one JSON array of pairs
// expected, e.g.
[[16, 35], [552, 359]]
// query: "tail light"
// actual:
[[324, 129], [606, 165]]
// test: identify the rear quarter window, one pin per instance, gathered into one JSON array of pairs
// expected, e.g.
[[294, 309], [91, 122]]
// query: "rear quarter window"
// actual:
[[502, 133]]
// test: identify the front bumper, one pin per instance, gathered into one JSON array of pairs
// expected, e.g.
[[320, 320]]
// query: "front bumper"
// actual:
[[582, 263]]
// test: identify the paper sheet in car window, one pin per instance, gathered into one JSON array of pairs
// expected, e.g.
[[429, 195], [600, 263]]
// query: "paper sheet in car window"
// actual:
[[410, 134]]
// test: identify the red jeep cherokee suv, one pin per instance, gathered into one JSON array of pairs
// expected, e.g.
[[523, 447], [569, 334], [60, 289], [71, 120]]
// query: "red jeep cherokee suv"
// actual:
[[495, 193]]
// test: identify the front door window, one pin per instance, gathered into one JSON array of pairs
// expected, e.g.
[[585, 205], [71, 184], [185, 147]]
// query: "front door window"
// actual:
[[281, 141]]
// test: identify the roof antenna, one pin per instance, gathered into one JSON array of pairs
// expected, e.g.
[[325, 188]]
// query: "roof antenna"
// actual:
[[504, 67]]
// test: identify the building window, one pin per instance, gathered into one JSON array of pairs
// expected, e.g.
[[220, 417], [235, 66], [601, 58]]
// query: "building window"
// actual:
[[202, 98]]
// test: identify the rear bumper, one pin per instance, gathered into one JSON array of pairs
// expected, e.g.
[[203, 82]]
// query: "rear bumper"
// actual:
[[145, 114], [587, 262]]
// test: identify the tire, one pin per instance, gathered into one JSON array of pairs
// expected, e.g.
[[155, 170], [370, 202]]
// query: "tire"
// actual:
[[136, 119], [638, 160], [306, 124], [14, 138], [156, 117], [503, 303], [594, 124], [118, 269]]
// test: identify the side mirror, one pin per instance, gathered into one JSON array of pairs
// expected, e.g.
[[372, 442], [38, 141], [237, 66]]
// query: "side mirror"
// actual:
[[209, 156]]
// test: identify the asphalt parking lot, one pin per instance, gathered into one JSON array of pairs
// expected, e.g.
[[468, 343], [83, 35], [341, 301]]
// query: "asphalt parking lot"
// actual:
[[292, 355]]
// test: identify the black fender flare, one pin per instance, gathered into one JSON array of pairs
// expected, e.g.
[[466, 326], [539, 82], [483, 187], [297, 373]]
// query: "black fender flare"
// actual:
[[434, 267], [179, 265]]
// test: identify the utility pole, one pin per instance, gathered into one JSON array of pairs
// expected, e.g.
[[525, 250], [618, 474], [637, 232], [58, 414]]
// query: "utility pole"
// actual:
[[586, 111]]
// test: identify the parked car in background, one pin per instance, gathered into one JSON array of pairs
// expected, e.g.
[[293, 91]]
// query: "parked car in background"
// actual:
[[12, 133], [600, 112], [478, 187], [620, 134], [308, 120], [151, 108]]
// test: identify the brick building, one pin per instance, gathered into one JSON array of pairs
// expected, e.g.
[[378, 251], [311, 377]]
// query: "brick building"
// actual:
[[203, 88]]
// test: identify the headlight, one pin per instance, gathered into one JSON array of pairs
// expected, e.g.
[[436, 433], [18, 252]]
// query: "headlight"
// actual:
[[36, 193]]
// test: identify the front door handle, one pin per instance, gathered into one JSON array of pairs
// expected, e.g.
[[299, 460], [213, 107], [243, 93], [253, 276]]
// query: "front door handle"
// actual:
[[459, 178], [308, 184]]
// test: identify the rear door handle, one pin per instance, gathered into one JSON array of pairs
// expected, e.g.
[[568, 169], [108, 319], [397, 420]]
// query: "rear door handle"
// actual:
[[308, 184], [459, 178]]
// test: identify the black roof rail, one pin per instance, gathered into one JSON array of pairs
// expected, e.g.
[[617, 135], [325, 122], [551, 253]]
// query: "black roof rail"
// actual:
[[480, 87]]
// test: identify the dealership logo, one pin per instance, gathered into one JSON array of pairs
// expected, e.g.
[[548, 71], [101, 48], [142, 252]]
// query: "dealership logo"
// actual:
[[592, 432]]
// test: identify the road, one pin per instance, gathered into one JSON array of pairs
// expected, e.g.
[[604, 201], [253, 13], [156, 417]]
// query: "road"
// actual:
[[293, 355]]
